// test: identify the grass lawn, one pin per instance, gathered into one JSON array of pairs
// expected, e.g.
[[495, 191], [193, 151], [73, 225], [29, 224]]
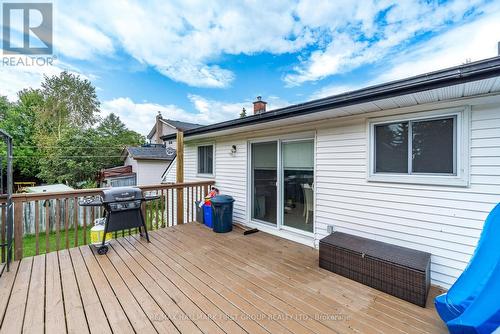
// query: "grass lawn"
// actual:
[[29, 241]]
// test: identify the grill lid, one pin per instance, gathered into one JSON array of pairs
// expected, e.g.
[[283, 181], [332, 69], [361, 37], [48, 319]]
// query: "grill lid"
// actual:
[[121, 194]]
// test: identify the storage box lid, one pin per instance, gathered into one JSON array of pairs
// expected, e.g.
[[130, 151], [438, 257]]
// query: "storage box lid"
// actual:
[[403, 256]]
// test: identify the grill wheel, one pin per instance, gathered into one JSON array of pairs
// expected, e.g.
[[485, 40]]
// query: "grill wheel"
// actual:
[[102, 250]]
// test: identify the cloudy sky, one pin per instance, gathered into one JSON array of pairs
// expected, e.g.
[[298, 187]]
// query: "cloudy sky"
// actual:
[[202, 61]]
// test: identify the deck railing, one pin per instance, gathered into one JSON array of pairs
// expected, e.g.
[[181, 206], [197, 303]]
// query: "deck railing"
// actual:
[[47, 222]]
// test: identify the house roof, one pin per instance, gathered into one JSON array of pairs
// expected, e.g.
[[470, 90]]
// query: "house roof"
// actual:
[[179, 125], [183, 126], [470, 79], [150, 152]]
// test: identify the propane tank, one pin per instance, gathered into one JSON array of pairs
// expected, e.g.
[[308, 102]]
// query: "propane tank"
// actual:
[[97, 232]]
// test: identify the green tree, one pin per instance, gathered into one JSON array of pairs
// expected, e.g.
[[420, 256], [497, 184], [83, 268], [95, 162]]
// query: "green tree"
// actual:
[[4, 106], [114, 137], [77, 156], [69, 101], [72, 158], [243, 113], [19, 120]]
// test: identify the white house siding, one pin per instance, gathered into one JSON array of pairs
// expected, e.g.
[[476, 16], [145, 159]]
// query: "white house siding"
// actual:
[[129, 161], [150, 171], [445, 221], [230, 171], [171, 174]]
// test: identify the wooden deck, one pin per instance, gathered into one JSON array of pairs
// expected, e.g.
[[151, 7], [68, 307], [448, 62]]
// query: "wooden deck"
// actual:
[[191, 280]]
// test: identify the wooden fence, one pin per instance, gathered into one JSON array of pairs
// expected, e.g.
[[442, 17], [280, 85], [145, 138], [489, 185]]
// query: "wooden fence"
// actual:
[[56, 221]]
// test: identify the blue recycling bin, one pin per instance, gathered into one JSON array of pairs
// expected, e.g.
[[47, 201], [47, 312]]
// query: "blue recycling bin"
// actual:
[[222, 207], [207, 216]]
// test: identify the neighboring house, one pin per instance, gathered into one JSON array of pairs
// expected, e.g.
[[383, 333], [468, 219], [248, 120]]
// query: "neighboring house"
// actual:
[[121, 176], [148, 162], [414, 162], [165, 127]]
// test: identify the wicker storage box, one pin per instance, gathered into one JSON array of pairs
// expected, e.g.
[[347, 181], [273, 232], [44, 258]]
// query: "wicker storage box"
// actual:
[[399, 271]]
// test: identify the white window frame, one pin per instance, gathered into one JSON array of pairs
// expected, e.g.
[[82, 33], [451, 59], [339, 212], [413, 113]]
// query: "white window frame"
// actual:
[[460, 177], [205, 175]]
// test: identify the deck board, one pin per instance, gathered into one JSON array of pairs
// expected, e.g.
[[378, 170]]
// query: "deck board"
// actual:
[[54, 305], [88, 293], [136, 315], [14, 315], [76, 318], [114, 312], [388, 321], [6, 283], [191, 280], [174, 304], [33, 321], [326, 308]]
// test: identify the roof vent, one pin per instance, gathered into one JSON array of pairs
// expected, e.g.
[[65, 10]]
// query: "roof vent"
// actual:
[[499, 48]]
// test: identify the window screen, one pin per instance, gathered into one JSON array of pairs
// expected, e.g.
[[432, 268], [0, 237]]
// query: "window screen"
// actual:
[[416, 146], [205, 159], [391, 148], [432, 147]]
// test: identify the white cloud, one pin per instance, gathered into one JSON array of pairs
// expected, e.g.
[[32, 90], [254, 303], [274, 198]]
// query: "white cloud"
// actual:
[[349, 47], [445, 50], [76, 39], [448, 49], [139, 116], [333, 90], [188, 40], [16, 78], [184, 40]]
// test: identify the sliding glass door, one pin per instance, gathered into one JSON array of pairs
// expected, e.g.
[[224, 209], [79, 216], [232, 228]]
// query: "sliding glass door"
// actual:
[[282, 183], [264, 170], [297, 184]]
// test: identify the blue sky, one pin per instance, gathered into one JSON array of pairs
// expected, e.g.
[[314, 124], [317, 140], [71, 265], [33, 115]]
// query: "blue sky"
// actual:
[[202, 61]]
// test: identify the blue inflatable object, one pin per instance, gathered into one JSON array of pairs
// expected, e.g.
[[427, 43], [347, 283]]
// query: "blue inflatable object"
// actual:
[[483, 315], [470, 291]]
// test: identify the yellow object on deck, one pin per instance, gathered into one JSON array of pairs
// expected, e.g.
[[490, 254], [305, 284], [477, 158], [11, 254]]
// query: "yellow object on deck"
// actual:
[[97, 233]]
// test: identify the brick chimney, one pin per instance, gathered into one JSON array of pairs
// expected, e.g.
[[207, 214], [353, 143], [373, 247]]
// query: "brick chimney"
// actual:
[[259, 106], [159, 129]]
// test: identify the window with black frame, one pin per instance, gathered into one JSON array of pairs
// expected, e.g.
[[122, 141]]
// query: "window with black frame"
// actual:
[[206, 159]]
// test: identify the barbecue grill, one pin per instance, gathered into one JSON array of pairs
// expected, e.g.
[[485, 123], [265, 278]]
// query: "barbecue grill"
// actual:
[[122, 210]]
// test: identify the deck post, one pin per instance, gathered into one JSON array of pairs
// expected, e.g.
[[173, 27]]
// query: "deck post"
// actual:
[[18, 230], [180, 176]]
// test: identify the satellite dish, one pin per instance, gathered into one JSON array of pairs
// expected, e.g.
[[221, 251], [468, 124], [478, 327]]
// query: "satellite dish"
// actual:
[[170, 151]]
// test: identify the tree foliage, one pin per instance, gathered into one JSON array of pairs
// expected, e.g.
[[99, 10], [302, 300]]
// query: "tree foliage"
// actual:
[[69, 101], [19, 120], [58, 134], [113, 136]]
